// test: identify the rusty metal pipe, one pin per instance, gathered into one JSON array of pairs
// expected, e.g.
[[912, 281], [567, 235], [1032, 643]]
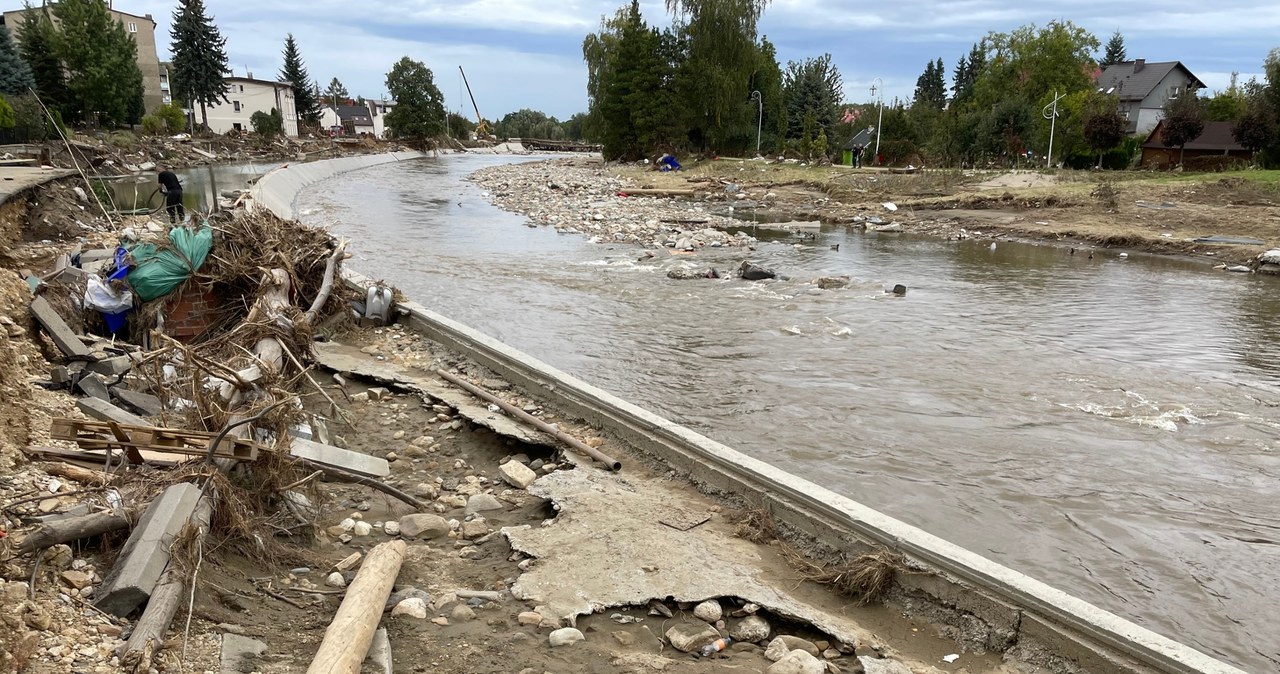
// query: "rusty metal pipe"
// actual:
[[537, 423]]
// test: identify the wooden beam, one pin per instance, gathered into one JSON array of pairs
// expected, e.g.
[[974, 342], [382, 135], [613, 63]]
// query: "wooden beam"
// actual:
[[347, 640]]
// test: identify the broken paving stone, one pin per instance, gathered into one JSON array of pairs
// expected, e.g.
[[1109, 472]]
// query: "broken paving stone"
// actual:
[[423, 525], [691, 637], [517, 474], [872, 665], [709, 611], [413, 607], [78, 579], [566, 636], [483, 503], [798, 662]]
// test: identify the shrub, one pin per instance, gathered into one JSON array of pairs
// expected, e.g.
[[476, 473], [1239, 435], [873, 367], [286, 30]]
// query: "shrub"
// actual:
[[267, 125], [174, 118], [8, 119], [1215, 163], [153, 125]]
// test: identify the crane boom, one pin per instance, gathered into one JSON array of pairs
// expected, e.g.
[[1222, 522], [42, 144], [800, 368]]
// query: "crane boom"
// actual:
[[482, 129]]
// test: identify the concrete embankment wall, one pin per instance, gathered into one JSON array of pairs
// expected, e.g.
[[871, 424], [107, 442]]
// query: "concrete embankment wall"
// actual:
[[278, 190], [989, 606]]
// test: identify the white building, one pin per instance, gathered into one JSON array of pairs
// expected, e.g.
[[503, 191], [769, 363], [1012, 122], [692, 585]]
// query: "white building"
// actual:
[[1143, 88], [248, 96]]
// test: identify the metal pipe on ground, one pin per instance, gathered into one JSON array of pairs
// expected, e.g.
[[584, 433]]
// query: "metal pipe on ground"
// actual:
[[537, 423]]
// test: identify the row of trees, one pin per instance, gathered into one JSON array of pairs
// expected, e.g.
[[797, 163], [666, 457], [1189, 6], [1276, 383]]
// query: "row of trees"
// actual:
[[81, 63]]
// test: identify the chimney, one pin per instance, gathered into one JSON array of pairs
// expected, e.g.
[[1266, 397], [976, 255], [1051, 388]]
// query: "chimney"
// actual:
[[1138, 65]]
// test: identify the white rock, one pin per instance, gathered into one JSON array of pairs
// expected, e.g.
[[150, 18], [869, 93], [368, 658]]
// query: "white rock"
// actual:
[[566, 636], [391, 528], [883, 666], [797, 662], [751, 628], [708, 611], [362, 529], [413, 607], [335, 579], [517, 474], [347, 524]]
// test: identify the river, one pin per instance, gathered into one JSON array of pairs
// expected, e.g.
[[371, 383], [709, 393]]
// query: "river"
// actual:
[[1106, 425]]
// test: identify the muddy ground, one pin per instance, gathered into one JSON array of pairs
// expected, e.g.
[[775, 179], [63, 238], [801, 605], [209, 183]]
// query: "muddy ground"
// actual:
[[1154, 212]]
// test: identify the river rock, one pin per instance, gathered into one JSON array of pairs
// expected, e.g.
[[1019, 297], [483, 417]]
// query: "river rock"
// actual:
[[751, 628], [832, 282], [797, 662], [391, 528], [362, 529], [413, 608], [752, 272], [335, 579], [708, 611], [406, 593], [462, 613], [529, 618], [423, 525], [566, 636], [798, 644], [691, 637], [517, 474], [872, 665], [483, 503]]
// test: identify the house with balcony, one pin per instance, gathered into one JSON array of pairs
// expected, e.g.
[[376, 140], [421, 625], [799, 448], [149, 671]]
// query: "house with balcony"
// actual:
[[1143, 88]]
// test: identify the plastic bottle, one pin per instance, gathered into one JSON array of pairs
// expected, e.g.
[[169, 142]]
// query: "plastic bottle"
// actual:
[[716, 646]]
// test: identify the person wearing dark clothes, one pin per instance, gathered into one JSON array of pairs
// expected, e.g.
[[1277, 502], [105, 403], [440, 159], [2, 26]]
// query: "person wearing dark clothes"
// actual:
[[171, 187]]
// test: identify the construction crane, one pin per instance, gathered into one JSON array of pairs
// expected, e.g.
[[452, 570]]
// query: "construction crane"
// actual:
[[482, 127]]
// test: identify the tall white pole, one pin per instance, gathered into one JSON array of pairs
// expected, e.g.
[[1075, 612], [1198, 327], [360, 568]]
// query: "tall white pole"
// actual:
[[878, 90], [759, 120], [1050, 112]]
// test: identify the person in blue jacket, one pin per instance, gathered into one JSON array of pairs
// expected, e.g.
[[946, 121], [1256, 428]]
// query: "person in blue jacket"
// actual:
[[668, 163]]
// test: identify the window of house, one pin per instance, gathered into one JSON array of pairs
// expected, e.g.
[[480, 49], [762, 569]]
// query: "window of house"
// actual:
[[242, 88], [237, 126], [133, 27], [237, 105]]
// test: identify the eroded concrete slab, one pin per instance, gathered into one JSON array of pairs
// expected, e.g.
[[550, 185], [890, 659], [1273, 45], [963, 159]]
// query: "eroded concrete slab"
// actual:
[[350, 360], [610, 526]]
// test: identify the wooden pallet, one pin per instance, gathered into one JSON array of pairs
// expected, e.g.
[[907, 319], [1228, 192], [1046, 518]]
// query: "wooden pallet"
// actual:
[[139, 441]]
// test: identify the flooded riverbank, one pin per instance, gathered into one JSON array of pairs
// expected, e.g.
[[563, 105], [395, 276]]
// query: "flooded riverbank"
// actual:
[[1106, 425], [201, 185]]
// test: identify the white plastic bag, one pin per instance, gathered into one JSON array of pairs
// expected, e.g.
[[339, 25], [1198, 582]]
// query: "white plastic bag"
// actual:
[[100, 296]]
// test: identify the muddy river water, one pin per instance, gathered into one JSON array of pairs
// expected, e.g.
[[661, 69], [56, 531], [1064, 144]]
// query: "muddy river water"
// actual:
[[1108, 425]]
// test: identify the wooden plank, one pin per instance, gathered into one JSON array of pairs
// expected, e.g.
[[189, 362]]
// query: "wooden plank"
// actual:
[[336, 457], [57, 329], [105, 411], [111, 435]]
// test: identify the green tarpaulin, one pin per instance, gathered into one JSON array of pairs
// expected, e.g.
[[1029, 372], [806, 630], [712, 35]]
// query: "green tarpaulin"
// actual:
[[157, 271]]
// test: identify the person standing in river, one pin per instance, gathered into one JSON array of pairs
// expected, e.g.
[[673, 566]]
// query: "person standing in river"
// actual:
[[171, 188]]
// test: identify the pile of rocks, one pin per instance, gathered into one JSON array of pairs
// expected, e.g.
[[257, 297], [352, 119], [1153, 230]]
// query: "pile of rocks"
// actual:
[[578, 200]]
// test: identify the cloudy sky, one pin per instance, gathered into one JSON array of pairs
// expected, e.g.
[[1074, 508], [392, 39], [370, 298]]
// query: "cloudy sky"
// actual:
[[527, 53]]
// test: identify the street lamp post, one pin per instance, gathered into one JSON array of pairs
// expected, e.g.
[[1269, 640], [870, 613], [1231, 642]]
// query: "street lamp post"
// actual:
[[1050, 113], [759, 119], [879, 92]]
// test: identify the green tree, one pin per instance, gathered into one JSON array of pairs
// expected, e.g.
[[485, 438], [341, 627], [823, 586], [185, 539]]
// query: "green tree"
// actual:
[[600, 52], [419, 110], [1104, 127], [769, 81], [1003, 133], [635, 106], [968, 69], [101, 63], [931, 86], [15, 74], [8, 119], [721, 50], [1115, 53], [305, 99], [813, 87], [267, 124], [1257, 128], [1031, 63], [1183, 121], [199, 58], [460, 127], [38, 40], [335, 93]]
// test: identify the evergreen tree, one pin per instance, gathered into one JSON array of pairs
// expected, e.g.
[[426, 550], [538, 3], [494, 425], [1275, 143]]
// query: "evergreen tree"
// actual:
[[1115, 53], [812, 87], [419, 111], [15, 74], [37, 39], [305, 99], [101, 62], [967, 72], [636, 105], [931, 86], [199, 58], [336, 93]]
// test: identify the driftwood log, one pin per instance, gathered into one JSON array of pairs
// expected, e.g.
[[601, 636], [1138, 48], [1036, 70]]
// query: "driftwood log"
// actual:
[[73, 529], [346, 641]]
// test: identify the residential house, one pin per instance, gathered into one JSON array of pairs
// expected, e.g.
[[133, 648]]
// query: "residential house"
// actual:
[[1143, 88], [166, 95], [247, 96], [1215, 141], [356, 120], [143, 30], [352, 119]]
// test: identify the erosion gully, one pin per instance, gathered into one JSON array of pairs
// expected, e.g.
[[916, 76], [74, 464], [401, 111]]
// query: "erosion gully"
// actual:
[[1106, 425]]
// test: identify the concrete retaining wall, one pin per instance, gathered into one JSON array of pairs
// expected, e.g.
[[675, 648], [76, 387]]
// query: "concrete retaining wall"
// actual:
[[1016, 612], [278, 190]]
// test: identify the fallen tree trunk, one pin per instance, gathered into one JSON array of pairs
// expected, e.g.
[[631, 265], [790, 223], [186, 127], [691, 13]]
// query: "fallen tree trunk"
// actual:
[[148, 634], [73, 529], [346, 641]]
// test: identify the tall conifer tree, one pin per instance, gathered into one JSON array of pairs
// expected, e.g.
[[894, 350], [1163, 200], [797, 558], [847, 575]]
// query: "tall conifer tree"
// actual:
[[305, 99], [199, 58]]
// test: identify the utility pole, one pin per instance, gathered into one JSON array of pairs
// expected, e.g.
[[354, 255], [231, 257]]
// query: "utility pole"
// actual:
[[879, 92], [1050, 113], [759, 119]]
